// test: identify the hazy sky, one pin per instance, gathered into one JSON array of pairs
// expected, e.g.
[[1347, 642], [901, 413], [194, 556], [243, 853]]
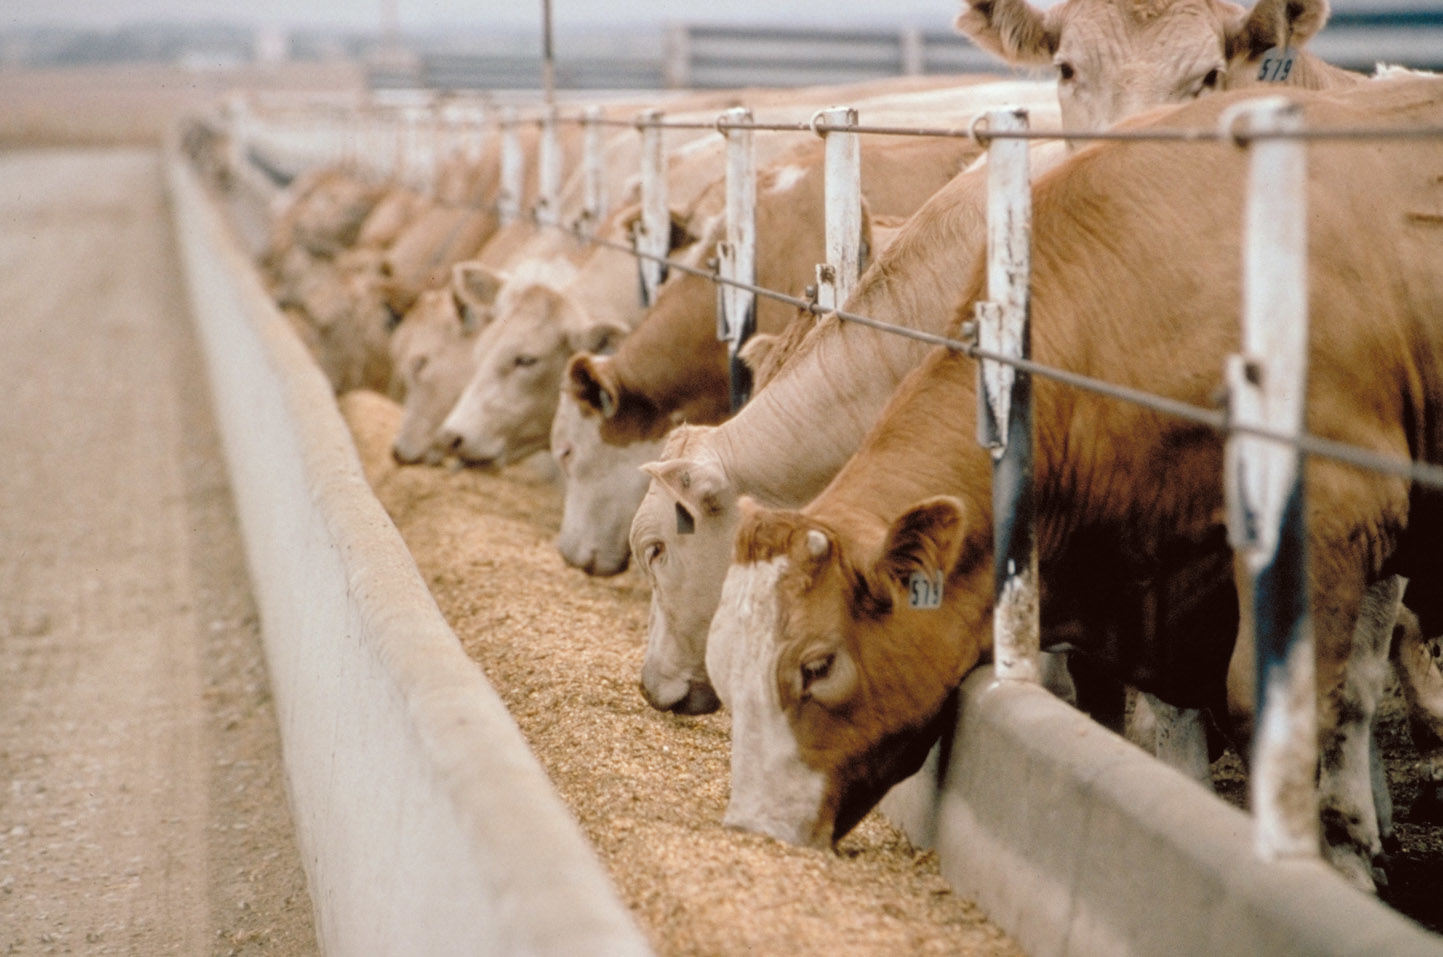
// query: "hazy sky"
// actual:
[[501, 13]]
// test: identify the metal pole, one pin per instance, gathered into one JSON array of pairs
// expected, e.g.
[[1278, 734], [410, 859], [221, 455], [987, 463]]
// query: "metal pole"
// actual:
[[593, 206], [1004, 409], [508, 200], [838, 276], [737, 318], [653, 232], [548, 57], [1267, 387], [549, 173]]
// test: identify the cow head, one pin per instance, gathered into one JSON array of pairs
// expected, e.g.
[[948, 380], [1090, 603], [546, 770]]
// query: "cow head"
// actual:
[[681, 538], [836, 678], [433, 353], [1115, 58], [505, 412], [604, 484]]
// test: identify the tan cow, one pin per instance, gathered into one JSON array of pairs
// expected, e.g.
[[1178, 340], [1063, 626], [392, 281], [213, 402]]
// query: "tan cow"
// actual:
[[432, 349], [1115, 58], [893, 185], [835, 682], [661, 377], [508, 408]]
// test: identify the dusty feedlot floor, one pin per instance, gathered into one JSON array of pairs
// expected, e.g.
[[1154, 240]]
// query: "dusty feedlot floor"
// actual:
[[564, 651], [142, 803]]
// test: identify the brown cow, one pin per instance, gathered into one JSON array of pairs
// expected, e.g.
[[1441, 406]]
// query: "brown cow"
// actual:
[[836, 684]]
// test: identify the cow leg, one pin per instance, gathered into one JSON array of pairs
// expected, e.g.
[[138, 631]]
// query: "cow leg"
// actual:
[[1352, 634], [1418, 662], [1180, 739], [1348, 781], [1056, 677]]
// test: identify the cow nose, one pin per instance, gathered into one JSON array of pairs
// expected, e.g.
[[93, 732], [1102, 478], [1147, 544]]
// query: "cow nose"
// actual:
[[448, 442], [700, 699]]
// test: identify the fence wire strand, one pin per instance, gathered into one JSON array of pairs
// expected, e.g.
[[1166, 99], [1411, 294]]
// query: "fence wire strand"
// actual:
[[1422, 473]]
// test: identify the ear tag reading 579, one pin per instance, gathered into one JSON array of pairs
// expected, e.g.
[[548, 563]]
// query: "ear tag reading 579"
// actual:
[[1277, 64], [924, 591]]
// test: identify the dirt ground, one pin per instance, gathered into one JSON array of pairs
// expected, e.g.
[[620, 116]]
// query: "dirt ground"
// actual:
[[142, 805]]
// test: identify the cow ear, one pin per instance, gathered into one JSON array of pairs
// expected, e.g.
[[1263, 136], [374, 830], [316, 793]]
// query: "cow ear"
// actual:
[[593, 383], [699, 486], [681, 235], [601, 338], [756, 349], [1275, 23], [476, 289], [1014, 30], [928, 538]]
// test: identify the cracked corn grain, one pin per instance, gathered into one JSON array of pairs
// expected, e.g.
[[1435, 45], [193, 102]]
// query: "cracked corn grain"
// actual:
[[564, 651]]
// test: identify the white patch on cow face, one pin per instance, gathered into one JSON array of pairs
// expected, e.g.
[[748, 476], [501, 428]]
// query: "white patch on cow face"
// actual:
[[604, 485], [785, 178], [772, 790], [686, 573]]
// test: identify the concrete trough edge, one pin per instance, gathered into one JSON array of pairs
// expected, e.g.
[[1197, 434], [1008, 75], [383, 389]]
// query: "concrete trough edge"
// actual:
[[425, 824], [1077, 842]]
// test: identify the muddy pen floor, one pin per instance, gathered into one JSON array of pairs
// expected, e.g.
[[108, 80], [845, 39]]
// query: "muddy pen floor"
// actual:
[[564, 651]]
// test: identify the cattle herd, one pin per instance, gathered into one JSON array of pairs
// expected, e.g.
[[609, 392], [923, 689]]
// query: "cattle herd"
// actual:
[[782, 541]]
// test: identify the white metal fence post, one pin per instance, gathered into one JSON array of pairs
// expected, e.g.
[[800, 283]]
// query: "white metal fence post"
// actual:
[[548, 182], [736, 318], [1267, 387], [593, 204], [508, 198], [1004, 393], [240, 132], [652, 235], [838, 276]]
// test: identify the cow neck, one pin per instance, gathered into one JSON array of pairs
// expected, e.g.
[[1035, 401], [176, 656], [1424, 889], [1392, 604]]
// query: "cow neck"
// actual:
[[799, 430], [913, 453], [673, 361]]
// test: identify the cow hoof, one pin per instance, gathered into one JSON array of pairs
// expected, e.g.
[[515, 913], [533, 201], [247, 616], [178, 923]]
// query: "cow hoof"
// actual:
[[1354, 868]]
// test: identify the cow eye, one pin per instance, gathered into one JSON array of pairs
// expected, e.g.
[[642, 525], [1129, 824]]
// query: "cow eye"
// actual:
[[418, 365], [1066, 72], [651, 552], [816, 669], [522, 361]]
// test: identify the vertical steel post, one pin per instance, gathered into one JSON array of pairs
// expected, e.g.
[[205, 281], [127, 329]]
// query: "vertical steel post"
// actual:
[[1004, 407], [1267, 385], [593, 203], [736, 255], [240, 132], [653, 232], [508, 199], [838, 276], [548, 183]]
